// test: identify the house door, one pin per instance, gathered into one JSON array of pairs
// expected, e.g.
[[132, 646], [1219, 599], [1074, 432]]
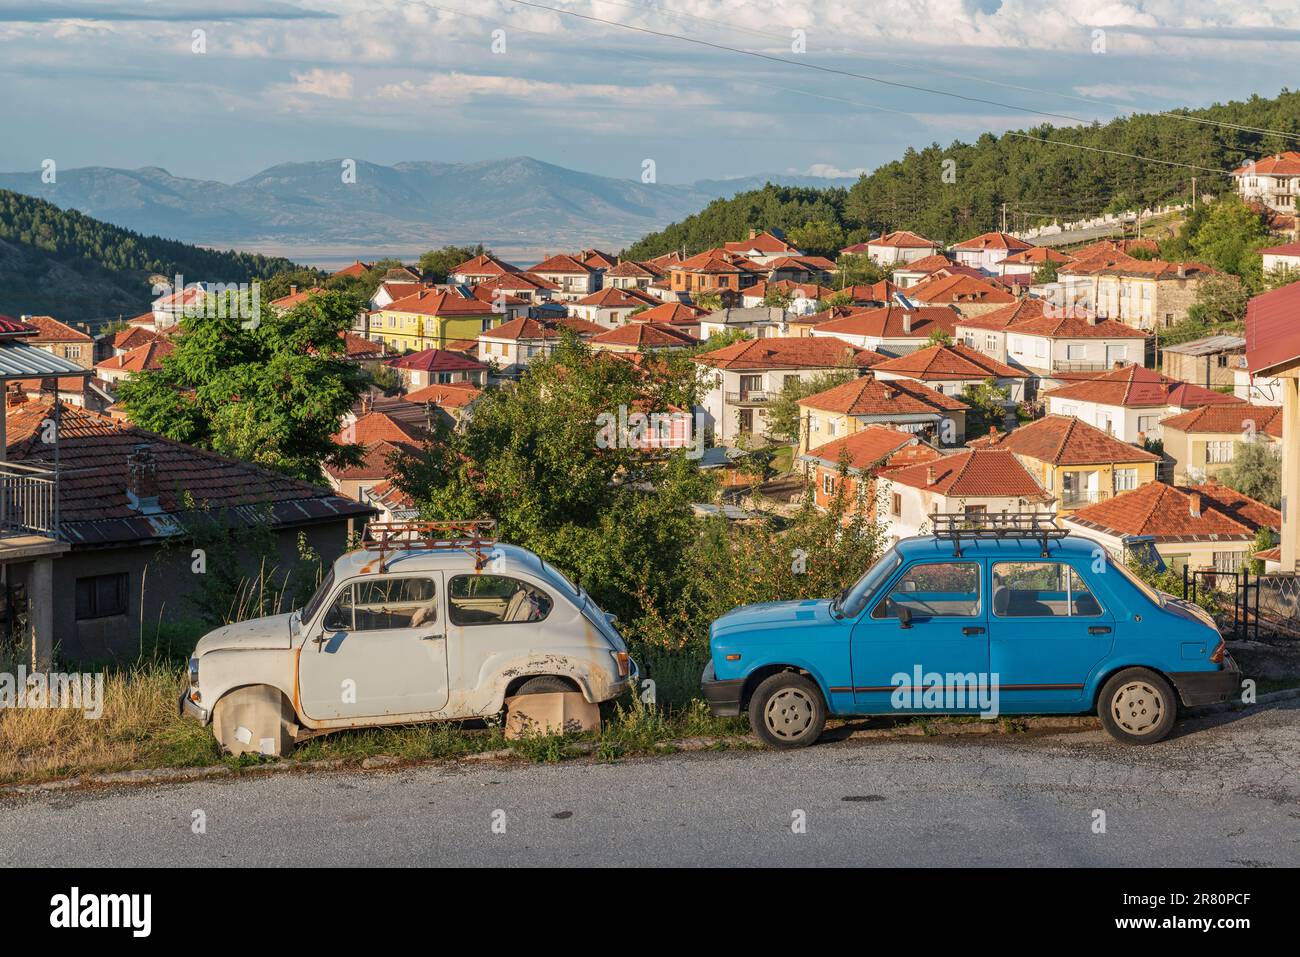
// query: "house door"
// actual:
[[746, 420]]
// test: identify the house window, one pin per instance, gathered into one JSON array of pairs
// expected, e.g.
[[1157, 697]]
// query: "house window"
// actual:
[[100, 596], [1228, 561], [1075, 352], [72, 352], [1126, 480], [990, 343], [1148, 423], [1217, 453], [828, 484], [895, 504]]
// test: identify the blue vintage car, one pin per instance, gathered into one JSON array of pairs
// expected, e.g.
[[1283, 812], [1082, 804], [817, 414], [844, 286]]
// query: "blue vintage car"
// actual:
[[1016, 618]]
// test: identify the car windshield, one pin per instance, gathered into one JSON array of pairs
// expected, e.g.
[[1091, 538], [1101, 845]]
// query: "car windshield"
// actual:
[[850, 602], [314, 603]]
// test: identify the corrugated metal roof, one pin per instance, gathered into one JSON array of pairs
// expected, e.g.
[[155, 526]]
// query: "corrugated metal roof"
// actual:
[[1207, 346], [18, 360]]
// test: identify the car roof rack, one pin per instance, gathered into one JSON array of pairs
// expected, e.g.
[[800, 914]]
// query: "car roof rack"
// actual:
[[976, 526], [476, 537]]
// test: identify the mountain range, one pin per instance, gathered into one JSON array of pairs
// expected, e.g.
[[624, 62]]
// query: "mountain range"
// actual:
[[517, 204]]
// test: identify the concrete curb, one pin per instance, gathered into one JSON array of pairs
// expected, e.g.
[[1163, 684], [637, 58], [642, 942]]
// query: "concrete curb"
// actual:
[[379, 762]]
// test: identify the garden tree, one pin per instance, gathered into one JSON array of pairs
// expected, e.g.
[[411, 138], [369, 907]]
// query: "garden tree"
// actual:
[[538, 459], [718, 340], [1256, 470], [1138, 252], [938, 338], [1227, 235], [988, 400], [278, 285], [777, 298], [860, 271], [272, 393], [437, 264], [1046, 272], [783, 410], [1265, 538], [1220, 305], [844, 298], [711, 302], [817, 238]]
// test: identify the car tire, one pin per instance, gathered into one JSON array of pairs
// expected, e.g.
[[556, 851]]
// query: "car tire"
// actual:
[[787, 711], [544, 684], [1137, 706]]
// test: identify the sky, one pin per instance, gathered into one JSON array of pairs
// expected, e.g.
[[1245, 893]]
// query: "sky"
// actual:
[[221, 89]]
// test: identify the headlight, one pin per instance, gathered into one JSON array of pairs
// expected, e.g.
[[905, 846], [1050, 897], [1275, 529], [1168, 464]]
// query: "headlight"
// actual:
[[194, 672]]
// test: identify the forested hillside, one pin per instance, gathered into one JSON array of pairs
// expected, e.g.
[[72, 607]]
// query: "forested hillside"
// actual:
[[65, 264], [1038, 180]]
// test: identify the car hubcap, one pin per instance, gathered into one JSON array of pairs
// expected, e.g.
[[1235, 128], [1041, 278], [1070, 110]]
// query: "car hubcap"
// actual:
[[789, 714], [1137, 707]]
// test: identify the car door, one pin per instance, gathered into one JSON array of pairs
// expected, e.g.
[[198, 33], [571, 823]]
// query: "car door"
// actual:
[[944, 645], [492, 620], [1047, 631], [381, 650]]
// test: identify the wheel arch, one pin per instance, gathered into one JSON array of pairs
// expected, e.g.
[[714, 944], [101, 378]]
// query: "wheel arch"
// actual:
[[762, 672]]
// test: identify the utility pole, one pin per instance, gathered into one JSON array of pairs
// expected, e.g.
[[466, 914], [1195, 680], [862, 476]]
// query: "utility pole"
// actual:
[[1004, 217], [1193, 193]]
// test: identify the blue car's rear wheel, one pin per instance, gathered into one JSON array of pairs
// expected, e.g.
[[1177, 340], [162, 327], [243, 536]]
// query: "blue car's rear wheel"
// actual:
[[787, 710], [1137, 706]]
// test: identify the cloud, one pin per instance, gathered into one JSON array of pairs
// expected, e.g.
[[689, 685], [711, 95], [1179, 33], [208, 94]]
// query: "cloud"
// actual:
[[333, 84], [452, 85], [24, 11], [830, 171]]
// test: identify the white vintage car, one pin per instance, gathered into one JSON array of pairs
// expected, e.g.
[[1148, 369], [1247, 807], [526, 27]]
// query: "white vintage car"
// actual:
[[428, 623]]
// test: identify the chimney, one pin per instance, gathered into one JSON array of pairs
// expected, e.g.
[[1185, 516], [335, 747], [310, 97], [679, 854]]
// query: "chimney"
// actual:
[[293, 289], [753, 233], [142, 479], [889, 394], [1182, 270], [1194, 504], [907, 321], [15, 397], [930, 475]]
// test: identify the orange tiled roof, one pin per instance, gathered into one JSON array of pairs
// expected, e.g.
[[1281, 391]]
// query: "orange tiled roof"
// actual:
[[671, 312], [1169, 514], [1038, 255], [1139, 387], [994, 240], [959, 290], [824, 352], [437, 360], [1279, 164], [1067, 440], [49, 329], [864, 448], [978, 473], [484, 264], [439, 302], [645, 335], [521, 328], [449, 395], [926, 264], [868, 395], [134, 337], [371, 427], [949, 362], [562, 263], [903, 239], [887, 322], [764, 243], [1234, 419], [611, 297], [146, 357]]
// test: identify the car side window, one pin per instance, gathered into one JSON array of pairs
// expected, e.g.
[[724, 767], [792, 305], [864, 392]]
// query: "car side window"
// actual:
[[495, 600], [382, 604], [934, 590], [1041, 590]]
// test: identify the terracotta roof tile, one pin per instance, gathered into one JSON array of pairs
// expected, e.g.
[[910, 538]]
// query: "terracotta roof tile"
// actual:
[[978, 473], [1235, 419], [865, 448], [49, 329], [1169, 514], [823, 352], [437, 360], [893, 322], [943, 362], [867, 395], [993, 240], [1066, 440], [1138, 387]]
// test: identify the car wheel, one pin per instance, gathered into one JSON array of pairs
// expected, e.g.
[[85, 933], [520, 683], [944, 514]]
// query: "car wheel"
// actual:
[[256, 719], [1137, 706], [544, 684], [787, 711]]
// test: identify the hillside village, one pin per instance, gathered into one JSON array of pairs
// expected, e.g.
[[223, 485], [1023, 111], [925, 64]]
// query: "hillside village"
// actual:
[[992, 375]]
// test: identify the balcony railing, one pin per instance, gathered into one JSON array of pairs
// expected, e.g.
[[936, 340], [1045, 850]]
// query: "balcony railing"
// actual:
[[29, 499], [1078, 499], [749, 397]]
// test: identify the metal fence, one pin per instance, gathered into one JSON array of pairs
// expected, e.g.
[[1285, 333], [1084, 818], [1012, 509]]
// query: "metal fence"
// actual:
[[29, 498], [1263, 606]]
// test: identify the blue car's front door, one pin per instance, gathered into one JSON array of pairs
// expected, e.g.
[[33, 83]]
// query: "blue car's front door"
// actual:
[[1047, 632], [925, 644]]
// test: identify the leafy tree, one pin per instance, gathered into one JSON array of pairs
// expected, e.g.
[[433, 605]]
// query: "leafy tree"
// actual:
[[1256, 470], [1220, 304], [272, 393], [437, 264], [988, 400], [818, 237], [860, 271], [783, 410], [938, 338], [1046, 272], [777, 298], [279, 284], [710, 301]]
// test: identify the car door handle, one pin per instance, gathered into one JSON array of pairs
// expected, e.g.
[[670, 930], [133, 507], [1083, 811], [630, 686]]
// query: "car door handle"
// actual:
[[1099, 629], [972, 630], [432, 637]]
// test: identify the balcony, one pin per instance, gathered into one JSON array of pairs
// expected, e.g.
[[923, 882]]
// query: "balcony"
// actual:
[[1072, 498], [748, 397], [29, 500]]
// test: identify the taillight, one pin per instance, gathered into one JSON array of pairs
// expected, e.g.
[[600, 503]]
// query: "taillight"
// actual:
[[1217, 654], [622, 660]]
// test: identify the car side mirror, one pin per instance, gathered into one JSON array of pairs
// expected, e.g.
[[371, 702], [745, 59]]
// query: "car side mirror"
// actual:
[[904, 617]]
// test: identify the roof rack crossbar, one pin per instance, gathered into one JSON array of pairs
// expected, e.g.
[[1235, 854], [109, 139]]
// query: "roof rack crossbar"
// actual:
[[476, 537], [977, 526]]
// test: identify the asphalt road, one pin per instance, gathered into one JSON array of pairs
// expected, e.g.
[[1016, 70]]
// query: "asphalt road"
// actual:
[[1224, 791]]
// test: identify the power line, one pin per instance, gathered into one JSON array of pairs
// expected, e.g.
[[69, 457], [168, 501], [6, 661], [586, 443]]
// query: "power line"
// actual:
[[1098, 149]]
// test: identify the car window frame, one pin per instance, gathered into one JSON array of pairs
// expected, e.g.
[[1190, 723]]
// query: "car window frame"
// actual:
[[888, 589], [551, 597], [430, 576], [1101, 609]]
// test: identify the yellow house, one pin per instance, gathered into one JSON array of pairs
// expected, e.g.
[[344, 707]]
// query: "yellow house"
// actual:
[[845, 409], [430, 319], [1077, 463], [1202, 442]]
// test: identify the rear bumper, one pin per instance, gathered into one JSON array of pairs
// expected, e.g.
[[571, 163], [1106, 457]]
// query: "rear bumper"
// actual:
[[1208, 687], [723, 697]]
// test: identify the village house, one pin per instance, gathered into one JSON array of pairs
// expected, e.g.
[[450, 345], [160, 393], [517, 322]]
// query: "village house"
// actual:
[[762, 247], [810, 270], [973, 482], [572, 278], [354, 271], [1130, 402], [384, 295], [296, 296], [147, 357], [804, 298], [1272, 180], [430, 319], [1077, 463], [1208, 526], [1144, 293], [1029, 261], [902, 404], [969, 295], [509, 347], [1284, 258], [892, 330], [952, 369], [1202, 443], [124, 340], [714, 272], [919, 270], [381, 437], [480, 268], [860, 457], [641, 337], [1210, 361], [761, 322], [519, 285], [676, 314], [630, 274], [446, 403], [61, 340], [986, 251], [122, 499], [611, 307], [742, 378], [898, 248], [438, 366]]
